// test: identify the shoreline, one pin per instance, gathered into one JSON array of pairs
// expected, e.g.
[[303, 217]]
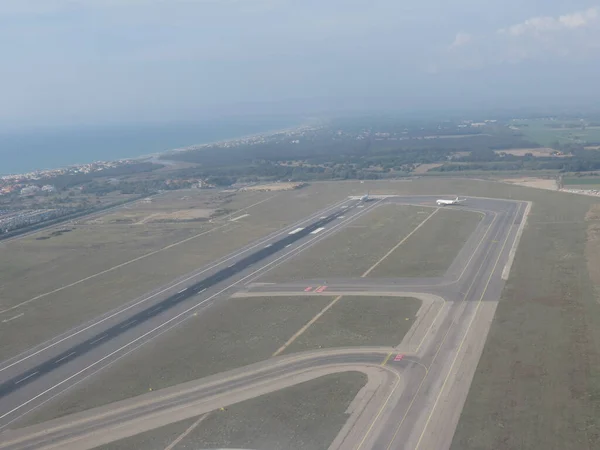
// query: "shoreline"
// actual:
[[155, 156]]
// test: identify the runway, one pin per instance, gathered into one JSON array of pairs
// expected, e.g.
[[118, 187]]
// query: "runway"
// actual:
[[420, 412]]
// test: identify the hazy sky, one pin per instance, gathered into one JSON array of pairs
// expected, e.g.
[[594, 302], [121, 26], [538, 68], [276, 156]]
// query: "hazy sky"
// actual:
[[78, 61]]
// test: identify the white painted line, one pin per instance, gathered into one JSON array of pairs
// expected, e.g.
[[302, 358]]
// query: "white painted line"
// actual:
[[288, 245], [64, 357], [318, 230], [344, 207], [126, 324], [13, 318], [183, 290], [297, 230], [99, 339], [360, 206], [154, 309], [163, 325], [341, 217], [268, 245], [239, 217], [200, 292], [28, 376], [120, 311], [323, 217]]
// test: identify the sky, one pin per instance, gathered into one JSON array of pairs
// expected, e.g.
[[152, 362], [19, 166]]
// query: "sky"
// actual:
[[109, 61]]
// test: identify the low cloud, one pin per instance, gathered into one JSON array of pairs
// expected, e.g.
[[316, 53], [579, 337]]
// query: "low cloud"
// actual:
[[542, 38], [460, 40], [545, 24]]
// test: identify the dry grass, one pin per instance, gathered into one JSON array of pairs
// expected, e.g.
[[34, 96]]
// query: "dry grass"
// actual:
[[353, 249], [304, 417], [423, 168], [360, 321], [231, 333]]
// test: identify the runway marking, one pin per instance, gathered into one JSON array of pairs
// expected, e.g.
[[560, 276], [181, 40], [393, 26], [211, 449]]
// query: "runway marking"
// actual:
[[370, 269], [308, 289], [154, 309], [183, 290], [64, 357], [360, 206], [306, 327], [464, 336], [433, 360], [268, 245], [126, 324], [341, 217], [399, 357], [118, 266], [172, 445], [386, 358], [318, 230], [182, 315], [239, 217], [27, 377], [199, 292], [99, 339], [289, 245], [399, 426], [13, 318], [122, 310], [297, 230]]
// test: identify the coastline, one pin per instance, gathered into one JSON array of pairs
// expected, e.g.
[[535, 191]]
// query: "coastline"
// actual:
[[154, 156]]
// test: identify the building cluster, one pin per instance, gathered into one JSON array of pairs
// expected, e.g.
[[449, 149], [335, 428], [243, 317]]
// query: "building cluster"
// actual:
[[11, 220], [29, 183]]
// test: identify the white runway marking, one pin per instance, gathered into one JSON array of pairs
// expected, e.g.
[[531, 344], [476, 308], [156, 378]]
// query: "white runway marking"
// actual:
[[99, 339], [165, 326], [318, 230], [128, 307], [297, 230], [13, 318], [28, 376], [183, 290], [239, 217], [64, 357]]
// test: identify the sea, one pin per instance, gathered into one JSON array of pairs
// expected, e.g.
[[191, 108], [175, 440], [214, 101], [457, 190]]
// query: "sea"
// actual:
[[26, 151]]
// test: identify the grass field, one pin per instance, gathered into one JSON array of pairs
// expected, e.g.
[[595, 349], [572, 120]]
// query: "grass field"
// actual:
[[582, 182], [30, 267], [229, 334], [355, 248], [537, 131], [304, 417], [360, 321], [430, 251]]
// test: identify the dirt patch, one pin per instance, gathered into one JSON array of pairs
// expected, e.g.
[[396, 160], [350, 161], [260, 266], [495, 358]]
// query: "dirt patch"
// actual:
[[274, 187], [177, 216], [536, 152], [540, 183], [423, 168]]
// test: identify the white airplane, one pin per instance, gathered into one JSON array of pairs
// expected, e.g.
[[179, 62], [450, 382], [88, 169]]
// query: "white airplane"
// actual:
[[364, 198], [443, 202]]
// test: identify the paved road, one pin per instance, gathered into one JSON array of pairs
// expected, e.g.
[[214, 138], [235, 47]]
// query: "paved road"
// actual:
[[422, 413]]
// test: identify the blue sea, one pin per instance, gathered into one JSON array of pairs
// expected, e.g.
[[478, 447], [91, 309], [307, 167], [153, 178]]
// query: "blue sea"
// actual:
[[22, 151]]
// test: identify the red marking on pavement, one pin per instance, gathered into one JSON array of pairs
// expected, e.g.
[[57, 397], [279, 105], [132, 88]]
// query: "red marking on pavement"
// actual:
[[320, 289], [398, 357], [308, 289]]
